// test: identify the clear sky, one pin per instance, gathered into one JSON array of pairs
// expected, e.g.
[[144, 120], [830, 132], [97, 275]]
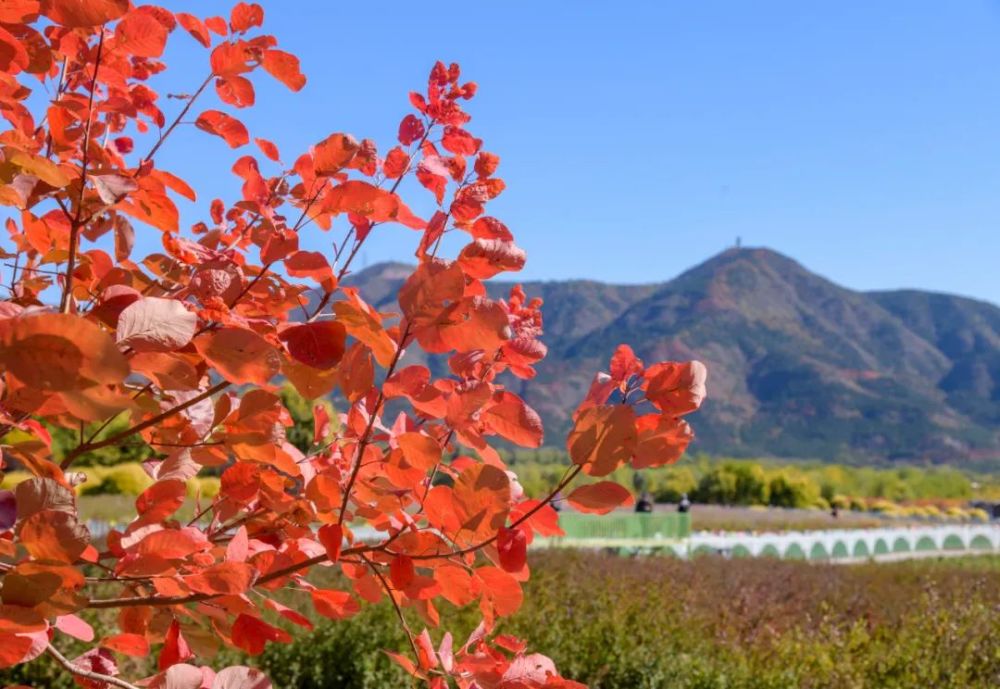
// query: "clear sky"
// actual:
[[640, 138]]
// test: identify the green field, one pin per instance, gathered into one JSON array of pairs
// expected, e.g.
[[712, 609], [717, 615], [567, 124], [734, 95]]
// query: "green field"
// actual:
[[661, 623]]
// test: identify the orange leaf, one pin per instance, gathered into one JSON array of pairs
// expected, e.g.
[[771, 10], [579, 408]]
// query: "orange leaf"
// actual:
[[378, 205], [221, 124], [240, 355], [662, 440], [333, 153], [481, 498], [15, 619], [362, 324], [420, 451], [311, 264], [514, 420], [674, 387], [52, 535], [501, 592], [57, 351], [603, 438], [225, 578], [600, 498], [484, 258]]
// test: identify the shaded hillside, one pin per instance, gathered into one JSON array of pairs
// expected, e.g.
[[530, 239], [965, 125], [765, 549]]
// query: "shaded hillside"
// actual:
[[798, 366]]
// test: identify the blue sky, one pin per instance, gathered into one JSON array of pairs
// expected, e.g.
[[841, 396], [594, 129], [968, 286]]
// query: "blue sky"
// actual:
[[640, 138]]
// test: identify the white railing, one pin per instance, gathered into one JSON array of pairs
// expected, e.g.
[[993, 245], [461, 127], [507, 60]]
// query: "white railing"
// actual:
[[845, 544]]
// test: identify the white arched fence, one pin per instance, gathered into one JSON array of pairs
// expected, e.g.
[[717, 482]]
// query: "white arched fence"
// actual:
[[851, 544]]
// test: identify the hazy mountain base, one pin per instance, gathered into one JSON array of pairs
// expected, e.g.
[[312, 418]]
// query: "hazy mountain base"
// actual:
[[799, 367]]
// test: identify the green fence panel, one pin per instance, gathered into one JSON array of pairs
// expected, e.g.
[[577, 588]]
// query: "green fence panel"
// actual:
[[670, 526]]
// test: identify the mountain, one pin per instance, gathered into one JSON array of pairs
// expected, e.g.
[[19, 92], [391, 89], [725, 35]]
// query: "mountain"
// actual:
[[798, 366]]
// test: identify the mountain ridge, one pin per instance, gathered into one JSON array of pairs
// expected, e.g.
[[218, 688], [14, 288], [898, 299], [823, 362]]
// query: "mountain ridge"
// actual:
[[799, 366]]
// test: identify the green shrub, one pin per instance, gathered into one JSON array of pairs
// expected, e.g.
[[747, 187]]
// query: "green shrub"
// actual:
[[205, 486]]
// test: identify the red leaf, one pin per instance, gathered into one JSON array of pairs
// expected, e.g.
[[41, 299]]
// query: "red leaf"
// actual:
[[397, 161], [175, 648], [235, 90], [134, 645], [285, 68], [332, 538], [512, 546], [216, 25], [76, 13], [246, 16], [240, 355], [113, 188], [141, 33], [600, 498], [268, 149], [319, 344], [336, 605], [252, 634], [401, 571], [221, 124], [457, 140], [410, 129], [195, 27], [15, 619], [624, 364]]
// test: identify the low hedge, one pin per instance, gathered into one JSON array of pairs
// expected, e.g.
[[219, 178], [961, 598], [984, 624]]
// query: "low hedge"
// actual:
[[128, 478]]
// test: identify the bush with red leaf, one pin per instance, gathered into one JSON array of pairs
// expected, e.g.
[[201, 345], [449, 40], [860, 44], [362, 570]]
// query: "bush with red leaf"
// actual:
[[188, 345]]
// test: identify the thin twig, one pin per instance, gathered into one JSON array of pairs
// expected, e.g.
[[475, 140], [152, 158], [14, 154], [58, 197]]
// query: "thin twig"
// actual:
[[87, 674], [75, 225]]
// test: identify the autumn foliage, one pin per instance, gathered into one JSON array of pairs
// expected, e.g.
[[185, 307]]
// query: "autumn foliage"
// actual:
[[189, 344]]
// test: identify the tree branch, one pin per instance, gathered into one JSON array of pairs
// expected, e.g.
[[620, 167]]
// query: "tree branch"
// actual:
[[87, 674], [75, 224], [87, 447], [180, 116]]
